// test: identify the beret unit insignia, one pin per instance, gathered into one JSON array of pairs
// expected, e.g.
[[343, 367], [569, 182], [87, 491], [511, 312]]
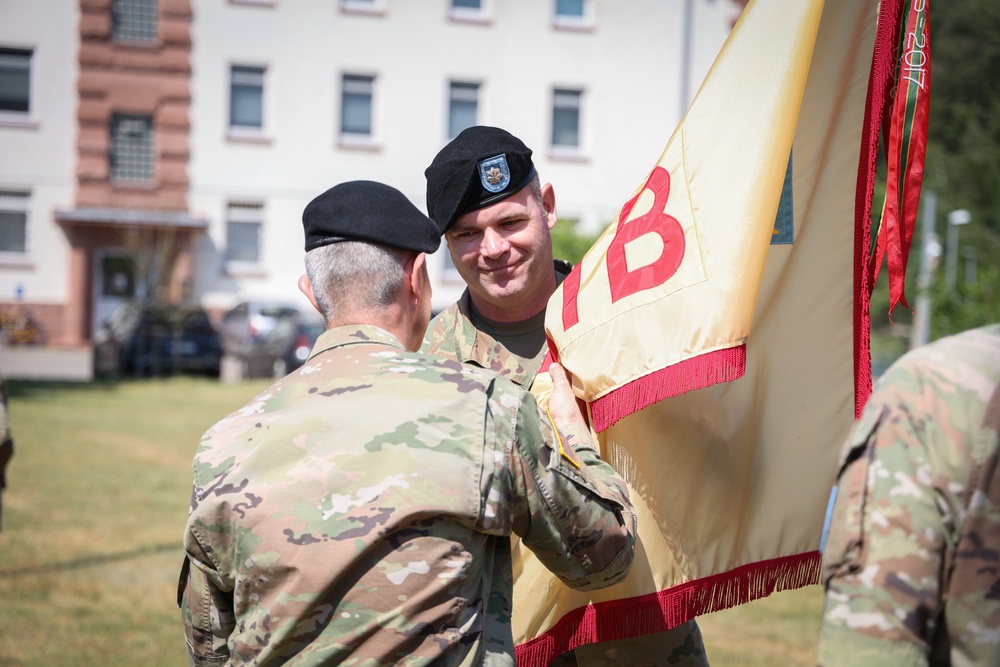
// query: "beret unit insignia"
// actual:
[[494, 173]]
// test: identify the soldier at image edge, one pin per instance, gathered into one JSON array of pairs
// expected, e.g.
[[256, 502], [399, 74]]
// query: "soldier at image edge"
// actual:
[[496, 215], [359, 510], [6, 442], [911, 555]]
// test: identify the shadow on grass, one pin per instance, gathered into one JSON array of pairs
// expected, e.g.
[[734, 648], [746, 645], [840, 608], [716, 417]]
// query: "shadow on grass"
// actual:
[[90, 561], [31, 390]]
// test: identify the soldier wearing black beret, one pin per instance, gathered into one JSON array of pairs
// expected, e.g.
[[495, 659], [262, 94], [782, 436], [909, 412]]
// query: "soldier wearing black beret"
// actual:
[[360, 509], [361, 239], [484, 193], [482, 166]]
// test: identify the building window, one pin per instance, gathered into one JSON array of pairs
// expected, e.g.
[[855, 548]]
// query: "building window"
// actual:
[[566, 120], [243, 223], [14, 221], [573, 14], [133, 20], [356, 107], [463, 107], [363, 6], [475, 11], [15, 80], [570, 8], [246, 98], [131, 148]]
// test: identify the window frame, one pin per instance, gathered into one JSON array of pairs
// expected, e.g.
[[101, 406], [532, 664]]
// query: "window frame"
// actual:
[[350, 139], [482, 14], [247, 132], [16, 116], [584, 22], [130, 39], [235, 265], [468, 85], [567, 151], [124, 180], [363, 7], [7, 196]]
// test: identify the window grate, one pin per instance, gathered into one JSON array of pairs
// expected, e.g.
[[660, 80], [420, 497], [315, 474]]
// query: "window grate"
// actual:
[[134, 20], [131, 148], [243, 225]]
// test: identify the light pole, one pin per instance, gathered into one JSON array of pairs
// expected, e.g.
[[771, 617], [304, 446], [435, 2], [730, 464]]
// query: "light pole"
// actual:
[[970, 265], [955, 219]]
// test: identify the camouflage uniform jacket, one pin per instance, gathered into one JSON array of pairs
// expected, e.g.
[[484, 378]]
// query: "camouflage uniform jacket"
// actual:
[[912, 563], [452, 334], [358, 511]]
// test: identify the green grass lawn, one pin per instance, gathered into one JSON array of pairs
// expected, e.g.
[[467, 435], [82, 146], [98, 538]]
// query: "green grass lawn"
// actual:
[[94, 511]]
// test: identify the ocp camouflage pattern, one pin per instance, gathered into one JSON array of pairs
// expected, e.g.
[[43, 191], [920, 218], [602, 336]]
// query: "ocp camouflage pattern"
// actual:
[[912, 563], [452, 334], [358, 512]]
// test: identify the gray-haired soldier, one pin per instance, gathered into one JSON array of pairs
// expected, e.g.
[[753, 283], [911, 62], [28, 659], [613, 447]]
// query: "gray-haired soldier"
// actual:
[[912, 563], [358, 511]]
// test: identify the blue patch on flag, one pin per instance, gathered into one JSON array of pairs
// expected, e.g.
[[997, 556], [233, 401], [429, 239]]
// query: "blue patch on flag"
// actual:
[[784, 222]]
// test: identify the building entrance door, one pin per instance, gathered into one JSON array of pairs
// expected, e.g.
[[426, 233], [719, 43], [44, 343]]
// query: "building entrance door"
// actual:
[[114, 285]]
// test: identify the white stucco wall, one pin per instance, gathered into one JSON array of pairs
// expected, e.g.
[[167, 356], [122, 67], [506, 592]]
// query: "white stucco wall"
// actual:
[[628, 64], [37, 154]]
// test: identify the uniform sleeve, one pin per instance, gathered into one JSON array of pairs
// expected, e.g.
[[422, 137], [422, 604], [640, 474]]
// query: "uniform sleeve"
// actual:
[[569, 507], [883, 558], [206, 610]]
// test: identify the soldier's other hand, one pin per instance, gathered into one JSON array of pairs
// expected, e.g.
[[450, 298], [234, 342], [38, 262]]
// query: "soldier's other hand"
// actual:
[[563, 405]]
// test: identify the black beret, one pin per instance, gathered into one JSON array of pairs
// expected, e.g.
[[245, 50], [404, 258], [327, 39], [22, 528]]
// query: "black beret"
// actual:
[[479, 167], [368, 211]]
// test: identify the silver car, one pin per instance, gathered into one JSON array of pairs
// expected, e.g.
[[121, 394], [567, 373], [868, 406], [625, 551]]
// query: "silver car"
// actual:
[[244, 332]]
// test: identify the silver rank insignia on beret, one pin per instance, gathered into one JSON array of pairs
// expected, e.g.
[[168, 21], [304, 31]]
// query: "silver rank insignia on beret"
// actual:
[[494, 173]]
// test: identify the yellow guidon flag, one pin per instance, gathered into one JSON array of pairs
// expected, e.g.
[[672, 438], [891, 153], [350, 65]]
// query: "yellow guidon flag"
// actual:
[[718, 329]]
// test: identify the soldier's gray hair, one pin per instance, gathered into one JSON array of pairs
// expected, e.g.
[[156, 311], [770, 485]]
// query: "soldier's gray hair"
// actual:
[[536, 191], [352, 276]]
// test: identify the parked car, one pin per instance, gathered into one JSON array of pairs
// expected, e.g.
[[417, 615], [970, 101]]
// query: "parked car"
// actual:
[[244, 331], [158, 339], [290, 343]]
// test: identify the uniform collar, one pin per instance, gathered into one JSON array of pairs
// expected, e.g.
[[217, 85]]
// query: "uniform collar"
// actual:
[[354, 334]]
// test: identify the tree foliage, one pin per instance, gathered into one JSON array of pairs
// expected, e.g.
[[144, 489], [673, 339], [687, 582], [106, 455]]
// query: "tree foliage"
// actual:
[[567, 244]]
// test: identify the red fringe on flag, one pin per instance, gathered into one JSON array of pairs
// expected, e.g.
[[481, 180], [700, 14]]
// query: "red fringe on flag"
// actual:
[[697, 372], [903, 112], [876, 103], [657, 612]]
